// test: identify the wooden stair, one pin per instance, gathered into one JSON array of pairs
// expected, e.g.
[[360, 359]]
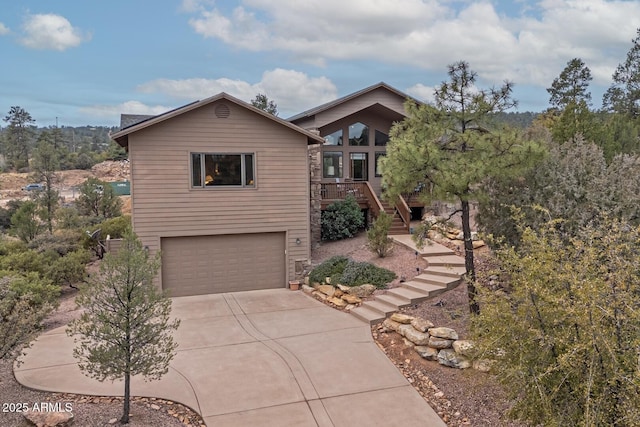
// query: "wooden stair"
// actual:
[[397, 226], [444, 272]]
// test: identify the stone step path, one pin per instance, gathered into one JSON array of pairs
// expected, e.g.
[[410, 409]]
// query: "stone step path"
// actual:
[[444, 272]]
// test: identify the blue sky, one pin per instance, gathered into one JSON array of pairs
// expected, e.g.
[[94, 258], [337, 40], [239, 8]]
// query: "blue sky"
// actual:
[[85, 62]]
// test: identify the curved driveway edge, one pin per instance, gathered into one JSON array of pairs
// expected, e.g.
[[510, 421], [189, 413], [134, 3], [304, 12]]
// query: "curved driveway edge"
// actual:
[[268, 358]]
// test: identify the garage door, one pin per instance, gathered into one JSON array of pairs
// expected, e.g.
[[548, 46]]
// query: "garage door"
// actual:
[[228, 263]]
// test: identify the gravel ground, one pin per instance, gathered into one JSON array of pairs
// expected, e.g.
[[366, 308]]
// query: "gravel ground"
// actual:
[[460, 397]]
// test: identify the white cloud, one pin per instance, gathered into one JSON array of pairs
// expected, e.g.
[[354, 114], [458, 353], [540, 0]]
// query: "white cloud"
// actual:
[[421, 92], [530, 48], [51, 32], [291, 90], [4, 29], [129, 107], [191, 6]]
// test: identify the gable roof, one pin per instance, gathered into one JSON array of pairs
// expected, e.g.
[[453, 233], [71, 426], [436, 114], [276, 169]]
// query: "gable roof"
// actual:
[[134, 123], [313, 111]]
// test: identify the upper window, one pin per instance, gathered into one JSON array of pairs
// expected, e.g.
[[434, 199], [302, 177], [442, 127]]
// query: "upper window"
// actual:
[[381, 139], [358, 134], [334, 138], [222, 170]]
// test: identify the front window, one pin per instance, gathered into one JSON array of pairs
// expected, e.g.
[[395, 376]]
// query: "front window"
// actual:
[[222, 170], [358, 134], [332, 164]]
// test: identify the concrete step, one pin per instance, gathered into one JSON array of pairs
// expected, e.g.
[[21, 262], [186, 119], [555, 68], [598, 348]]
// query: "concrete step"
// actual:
[[447, 271], [380, 306], [368, 315], [393, 300], [411, 295], [434, 279], [428, 289], [445, 261]]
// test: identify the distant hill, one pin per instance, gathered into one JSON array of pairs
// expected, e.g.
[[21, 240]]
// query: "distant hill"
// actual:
[[517, 120]]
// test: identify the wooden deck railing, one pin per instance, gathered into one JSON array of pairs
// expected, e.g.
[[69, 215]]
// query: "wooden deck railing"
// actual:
[[340, 191], [405, 213], [364, 195], [374, 203]]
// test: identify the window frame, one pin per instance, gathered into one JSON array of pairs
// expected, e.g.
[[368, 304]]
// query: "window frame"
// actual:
[[339, 168], [243, 170], [364, 135], [377, 156]]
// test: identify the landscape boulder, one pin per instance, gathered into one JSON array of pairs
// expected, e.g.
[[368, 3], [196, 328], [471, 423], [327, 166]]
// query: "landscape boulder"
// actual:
[[362, 291], [401, 318], [448, 357], [446, 333], [49, 419]]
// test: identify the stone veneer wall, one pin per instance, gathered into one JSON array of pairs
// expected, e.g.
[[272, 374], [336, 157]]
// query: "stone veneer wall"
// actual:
[[315, 178]]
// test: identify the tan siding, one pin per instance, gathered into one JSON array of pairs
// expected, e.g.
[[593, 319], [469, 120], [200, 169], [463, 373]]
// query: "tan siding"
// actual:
[[380, 96], [165, 205]]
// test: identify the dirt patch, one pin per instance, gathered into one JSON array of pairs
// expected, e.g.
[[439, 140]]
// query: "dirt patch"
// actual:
[[460, 397]]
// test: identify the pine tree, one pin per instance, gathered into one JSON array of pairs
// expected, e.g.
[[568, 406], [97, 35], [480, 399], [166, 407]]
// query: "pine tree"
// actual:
[[125, 329], [18, 137], [624, 94], [451, 147]]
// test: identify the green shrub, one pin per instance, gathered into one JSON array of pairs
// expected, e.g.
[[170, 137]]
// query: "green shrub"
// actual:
[[25, 301], [351, 273], [342, 219], [331, 267], [360, 273], [377, 235], [69, 269], [61, 242], [115, 227], [9, 245], [28, 261]]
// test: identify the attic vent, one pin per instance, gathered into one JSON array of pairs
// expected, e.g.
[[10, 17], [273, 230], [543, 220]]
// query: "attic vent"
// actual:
[[223, 111]]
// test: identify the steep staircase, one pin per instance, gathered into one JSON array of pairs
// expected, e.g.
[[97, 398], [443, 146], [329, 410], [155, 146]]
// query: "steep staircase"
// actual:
[[444, 272], [397, 226]]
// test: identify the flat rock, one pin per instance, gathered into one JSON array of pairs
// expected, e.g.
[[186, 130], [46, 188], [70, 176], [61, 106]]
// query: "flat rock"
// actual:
[[328, 290], [401, 318], [439, 343], [448, 357], [416, 337], [351, 299], [420, 324], [337, 301], [464, 347], [362, 291], [343, 288], [427, 352], [391, 325], [49, 419], [319, 295], [446, 333]]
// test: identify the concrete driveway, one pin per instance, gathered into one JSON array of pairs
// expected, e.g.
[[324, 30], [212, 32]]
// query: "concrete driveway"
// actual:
[[257, 358]]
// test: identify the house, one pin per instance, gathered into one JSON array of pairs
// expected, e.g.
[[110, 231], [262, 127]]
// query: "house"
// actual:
[[222, 189], [355, 129], [232, 196]]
